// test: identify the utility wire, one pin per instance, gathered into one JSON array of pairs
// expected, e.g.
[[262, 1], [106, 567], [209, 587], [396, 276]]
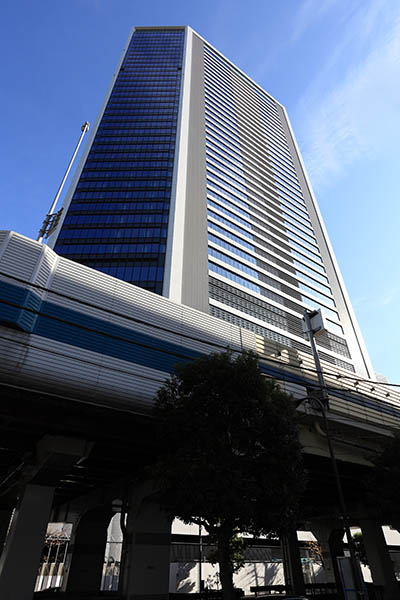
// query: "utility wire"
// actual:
[[148, 377], [178, 355], [191, 337], [111, 312], [285, 377]]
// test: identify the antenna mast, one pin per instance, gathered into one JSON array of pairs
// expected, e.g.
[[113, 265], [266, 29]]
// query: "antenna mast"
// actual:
[[51, 219]]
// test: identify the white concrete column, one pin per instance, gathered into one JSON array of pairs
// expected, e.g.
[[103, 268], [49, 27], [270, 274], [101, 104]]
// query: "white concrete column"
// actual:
[[145, 569], [379, 560], [19, 562], [329, 535]]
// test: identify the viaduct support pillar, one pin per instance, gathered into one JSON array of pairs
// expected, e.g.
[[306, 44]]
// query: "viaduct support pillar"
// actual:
[[146, 552], [19, 562], [336, 548], [84, 565], [379, 558], [329, 535], [292, 563]]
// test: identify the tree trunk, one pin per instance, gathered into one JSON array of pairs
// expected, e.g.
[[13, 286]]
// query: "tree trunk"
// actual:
[[225, 564]]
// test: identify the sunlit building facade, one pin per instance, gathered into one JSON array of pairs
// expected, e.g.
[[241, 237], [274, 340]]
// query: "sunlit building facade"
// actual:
[[192, 187]]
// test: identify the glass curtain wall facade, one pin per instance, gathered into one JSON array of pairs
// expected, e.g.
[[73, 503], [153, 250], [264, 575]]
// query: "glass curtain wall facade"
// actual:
[[118, 218], [192, 187]]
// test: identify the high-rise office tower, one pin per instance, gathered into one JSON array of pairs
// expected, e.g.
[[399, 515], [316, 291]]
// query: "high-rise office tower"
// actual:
[[192, 186]]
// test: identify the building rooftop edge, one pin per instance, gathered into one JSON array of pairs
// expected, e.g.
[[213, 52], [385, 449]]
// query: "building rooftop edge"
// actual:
[[158, 27], [183, 27]]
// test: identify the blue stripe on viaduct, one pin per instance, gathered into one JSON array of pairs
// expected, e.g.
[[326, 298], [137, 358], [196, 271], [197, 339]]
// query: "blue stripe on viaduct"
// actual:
[[77, 329]]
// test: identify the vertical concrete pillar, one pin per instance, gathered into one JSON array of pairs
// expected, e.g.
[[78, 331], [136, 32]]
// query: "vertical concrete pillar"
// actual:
[[379, 559], [146, 552], [19, 562], [5, 517], [329, 535], [292, 563], [336, 548], [84, 564]]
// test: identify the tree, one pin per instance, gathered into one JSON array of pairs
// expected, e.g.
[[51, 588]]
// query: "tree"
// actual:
[[230, 456]]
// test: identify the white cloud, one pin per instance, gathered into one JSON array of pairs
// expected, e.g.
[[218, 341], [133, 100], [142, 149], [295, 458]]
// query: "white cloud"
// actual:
[[360, 115], [390, 296], [309, 13], [384, 297]]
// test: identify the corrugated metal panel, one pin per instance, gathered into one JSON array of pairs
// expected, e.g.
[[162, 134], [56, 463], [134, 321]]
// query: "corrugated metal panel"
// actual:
[[48, 260], [3, 235], [13, 347], [83, 283], [63, 369], [122, 297], [249, 340], [20, 256], [160, 319], [295, 390], [105, 367], [379, 412], [209, 329]]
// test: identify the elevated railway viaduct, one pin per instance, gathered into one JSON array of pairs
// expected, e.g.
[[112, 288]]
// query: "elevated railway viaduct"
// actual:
[[82, 356]]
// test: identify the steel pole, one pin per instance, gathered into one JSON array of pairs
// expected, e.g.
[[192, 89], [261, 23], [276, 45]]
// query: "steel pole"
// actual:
[[324, 404], [84, 129], [342, 503], [315, 354], [200, 559]]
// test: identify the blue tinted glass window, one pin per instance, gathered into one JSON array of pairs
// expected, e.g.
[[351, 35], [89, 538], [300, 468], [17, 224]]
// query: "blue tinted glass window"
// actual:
[[123, 193]]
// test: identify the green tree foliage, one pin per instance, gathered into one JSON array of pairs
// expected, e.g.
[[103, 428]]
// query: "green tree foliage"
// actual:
[[230, 455]]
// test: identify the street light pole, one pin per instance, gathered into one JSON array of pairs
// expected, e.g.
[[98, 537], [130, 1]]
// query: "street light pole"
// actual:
[[342, 504], [323, 404], [200, 559], [309, 332]]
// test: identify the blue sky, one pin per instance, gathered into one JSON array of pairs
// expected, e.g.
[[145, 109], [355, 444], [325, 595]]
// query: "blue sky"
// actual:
[[335, 65]]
